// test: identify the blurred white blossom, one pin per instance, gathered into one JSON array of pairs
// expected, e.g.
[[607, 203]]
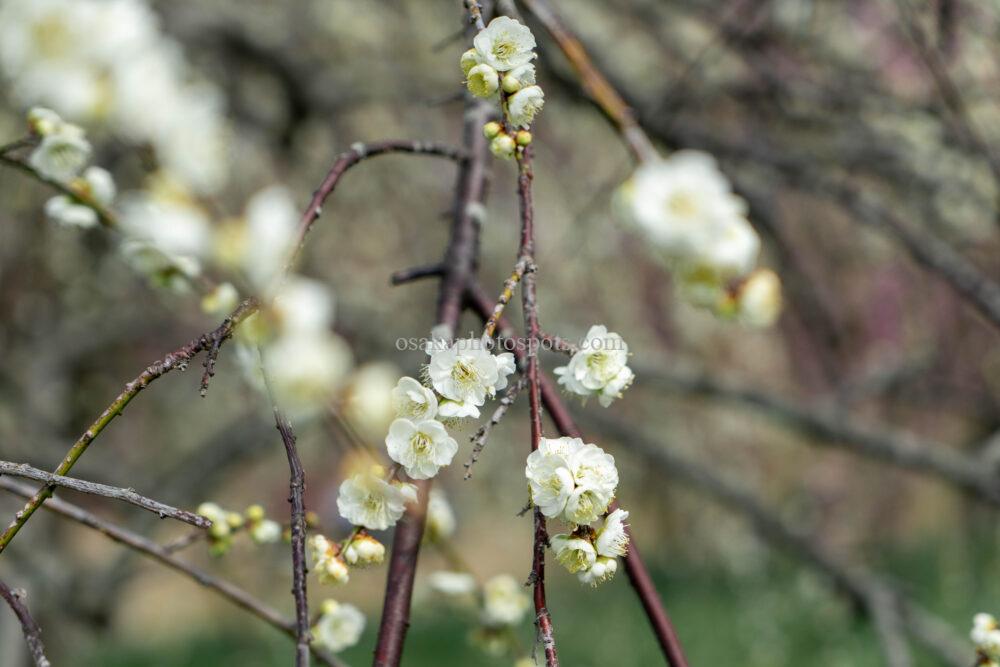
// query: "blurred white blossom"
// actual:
[[339, 626], [452, 583], [440, 521], [504, 601]]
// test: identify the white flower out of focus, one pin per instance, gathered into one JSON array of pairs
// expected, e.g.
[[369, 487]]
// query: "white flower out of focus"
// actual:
[[62, 153], [524, 105], [571, 480], [504, 601], [265, 531], [440, 523], [271, 221], [97, 185], [306, 369], [986, 635], [422, 447], [327, 561], [505, 44], [339, 627], [599, 368], [452, 583], [412, 400], [758, 302], [367, 400], [465, 373], [303, 307], [369, 501]]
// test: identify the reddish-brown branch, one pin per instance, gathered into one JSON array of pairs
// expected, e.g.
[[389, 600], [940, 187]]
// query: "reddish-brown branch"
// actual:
[[32, 633], [479, 301]]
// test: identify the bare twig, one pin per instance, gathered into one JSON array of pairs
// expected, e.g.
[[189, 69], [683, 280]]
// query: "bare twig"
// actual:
[[482, 434], [416, 273], [93, 488], [32, 633], [147, 547], [179, 358], [522, 266]]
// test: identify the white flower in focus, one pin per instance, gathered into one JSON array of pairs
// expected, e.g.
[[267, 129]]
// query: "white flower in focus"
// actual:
[[986, 635], [369, 501], [612, 539], [483, 81], [505, 44], [504, 601], [440, 516], [61, 154], [603, 569], [518, 78], [422, 448], [265, 531], [524, 105], [465, 373], [339, 626], [364, 550], [452, 583], [413, 400], [599, 368], [550, 478], [571, 479], [574, 553], [327, 561], [758, 302]]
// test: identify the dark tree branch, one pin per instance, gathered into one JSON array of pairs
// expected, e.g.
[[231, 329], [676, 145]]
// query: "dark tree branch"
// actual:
[[415, 273], [147, 547], [95, 489], [32, 633]]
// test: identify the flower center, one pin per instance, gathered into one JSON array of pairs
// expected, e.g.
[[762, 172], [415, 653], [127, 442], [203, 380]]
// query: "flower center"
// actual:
[[464, 374], [420, 443], [504, 48], [374, 503], [682, 204]]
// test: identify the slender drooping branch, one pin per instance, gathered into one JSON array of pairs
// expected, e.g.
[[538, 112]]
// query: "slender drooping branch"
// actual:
[[179, 358], [831, 427], [479, 301], [864, 588], [522, 266], [95, 489], [151, 549], [32, 633], [529, 304], [357, 153], [482, 434], [297, 487]]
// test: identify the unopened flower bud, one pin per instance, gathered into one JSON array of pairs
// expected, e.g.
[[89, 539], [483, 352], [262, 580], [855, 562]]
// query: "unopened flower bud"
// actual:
[[502, 146], [369, 550], [234, 519], [469, 60], [510, 83], [492, 129], [523, 137], [254, 513], [265, 531], [43, 121], [758, 302]]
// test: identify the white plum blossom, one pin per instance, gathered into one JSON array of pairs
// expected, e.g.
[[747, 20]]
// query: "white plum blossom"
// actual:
[[327, 561], [265, 531], [364, 550], [339, 627], [303, 306], [221, 300], [422, 447], [62, 153], [524, 105], [986, 635], [96, 185], [412, 400], [483, 81], [570, 479], [599, 368], [612, 538], [271, 221], [452, 583], [574, 553], [440, 521], [465, 373], [367, 500], [758, 301], [505, 44], [603, 569], [367, 401], [306, 369], [504, 601], [167, 219]]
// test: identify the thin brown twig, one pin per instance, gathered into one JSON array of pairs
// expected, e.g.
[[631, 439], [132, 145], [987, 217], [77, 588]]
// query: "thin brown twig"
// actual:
[[179, 358], [522, 266], [529, 304], [95, 489], [32, 633], [147, 547], [415, 273], [482, 434]]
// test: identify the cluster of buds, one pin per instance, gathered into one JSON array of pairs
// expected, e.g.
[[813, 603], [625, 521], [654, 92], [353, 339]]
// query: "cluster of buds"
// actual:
[[502, 144], [224, 525], [331, 559], [261, 529], [593, 554]]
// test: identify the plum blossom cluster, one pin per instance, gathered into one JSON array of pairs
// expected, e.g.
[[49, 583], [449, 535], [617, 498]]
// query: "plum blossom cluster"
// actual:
[[108, 62], [576, 483], [599, 367], [226, 524], [499, 66], [986, 637], [61, 156], [685, 207]]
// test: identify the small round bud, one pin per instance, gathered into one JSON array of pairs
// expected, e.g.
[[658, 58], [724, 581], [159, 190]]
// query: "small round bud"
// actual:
[[254, 513], [312, 519], [523, 137], [483, 81], [43, 121], [335, 571], [234, 519], [469, 60], [758, 301], [265, 532], [369, 550], [492, 129], [510, 83], [329, 607], [502, 146]]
